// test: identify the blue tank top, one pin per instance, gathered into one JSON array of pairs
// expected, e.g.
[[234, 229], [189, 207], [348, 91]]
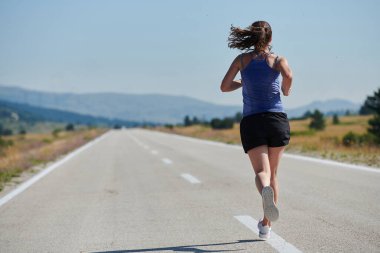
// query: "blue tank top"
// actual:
[[261, 88]]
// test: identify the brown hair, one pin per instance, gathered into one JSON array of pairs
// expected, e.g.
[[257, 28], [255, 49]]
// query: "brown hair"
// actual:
[[257, 35]]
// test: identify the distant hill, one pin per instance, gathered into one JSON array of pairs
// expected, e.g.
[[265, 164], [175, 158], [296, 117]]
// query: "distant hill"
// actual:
[[148, 107], [32, 114], [328, 107], [130, 107]]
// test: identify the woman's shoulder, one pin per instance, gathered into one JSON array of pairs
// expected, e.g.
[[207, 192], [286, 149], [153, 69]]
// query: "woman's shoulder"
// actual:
[[243, 59], [275, 60], [279, 58], [276, 57]]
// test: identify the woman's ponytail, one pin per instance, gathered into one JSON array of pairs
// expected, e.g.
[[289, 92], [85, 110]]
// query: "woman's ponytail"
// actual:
[[258, 35]]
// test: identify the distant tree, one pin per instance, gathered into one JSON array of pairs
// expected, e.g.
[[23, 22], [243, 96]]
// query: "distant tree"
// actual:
[[69, 127], [195, 121], [317, 121], [335, 119], [365, 110], [373, 103], [187, 121], [22, 131], [225, 123], [238, 117], [170, 126], [348, 113], [117, 126]]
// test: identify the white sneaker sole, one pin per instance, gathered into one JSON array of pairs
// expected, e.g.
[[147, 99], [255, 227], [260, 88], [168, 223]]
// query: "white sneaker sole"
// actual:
[[270, 209], [264, 236]]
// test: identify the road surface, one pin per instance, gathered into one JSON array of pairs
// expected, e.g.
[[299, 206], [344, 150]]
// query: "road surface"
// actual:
[[135, 190]]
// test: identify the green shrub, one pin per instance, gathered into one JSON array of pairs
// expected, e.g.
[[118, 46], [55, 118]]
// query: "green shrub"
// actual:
[[225, 123], [317, 121], [352, 139], [170, 126], [70, 127]]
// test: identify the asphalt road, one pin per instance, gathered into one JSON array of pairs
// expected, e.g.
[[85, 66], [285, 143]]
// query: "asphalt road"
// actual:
[[143, 191]]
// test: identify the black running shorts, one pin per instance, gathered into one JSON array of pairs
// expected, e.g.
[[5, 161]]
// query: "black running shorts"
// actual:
[[267, 128]]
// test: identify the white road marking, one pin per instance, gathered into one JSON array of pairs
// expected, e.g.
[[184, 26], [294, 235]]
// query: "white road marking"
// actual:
[[190, 178], [334, 163], [22, 187], [154, 152], [291, 156], [137, 141], [276, 241], [167, 161]]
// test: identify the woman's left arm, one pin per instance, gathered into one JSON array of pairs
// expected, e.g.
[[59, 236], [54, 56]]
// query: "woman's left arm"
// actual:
[[228, 83]]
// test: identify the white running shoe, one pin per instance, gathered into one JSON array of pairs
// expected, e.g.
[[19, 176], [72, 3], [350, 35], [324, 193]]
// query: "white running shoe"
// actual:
[[264, 231], [270, 208]]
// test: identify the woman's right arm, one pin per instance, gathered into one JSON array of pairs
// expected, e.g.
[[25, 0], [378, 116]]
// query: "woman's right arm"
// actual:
[[287, 76], [228, 83]]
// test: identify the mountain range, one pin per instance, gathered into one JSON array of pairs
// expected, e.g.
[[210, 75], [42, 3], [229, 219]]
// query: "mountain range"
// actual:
[[28, 114], [155, 108]]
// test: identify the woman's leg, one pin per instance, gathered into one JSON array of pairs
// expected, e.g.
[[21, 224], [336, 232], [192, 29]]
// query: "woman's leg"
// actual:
[[260, 162], [265, 163], [275, 154], [259, 157]]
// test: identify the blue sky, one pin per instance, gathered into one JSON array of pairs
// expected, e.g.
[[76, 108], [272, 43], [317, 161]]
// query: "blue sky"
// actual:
[[180, 47]]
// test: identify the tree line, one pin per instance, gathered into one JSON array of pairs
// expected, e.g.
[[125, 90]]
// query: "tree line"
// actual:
[[214, 123]]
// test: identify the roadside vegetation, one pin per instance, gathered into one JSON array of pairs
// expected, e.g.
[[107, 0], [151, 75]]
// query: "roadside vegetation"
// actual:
[[21, 150]]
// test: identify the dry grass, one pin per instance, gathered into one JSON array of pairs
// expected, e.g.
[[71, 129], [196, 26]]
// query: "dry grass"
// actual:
[[324, 144], [32, 149]]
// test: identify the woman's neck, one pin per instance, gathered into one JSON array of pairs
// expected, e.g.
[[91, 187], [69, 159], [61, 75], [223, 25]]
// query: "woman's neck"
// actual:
[[262, 51]]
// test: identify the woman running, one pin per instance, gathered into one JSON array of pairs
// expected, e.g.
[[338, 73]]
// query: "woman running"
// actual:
[[264, 128]]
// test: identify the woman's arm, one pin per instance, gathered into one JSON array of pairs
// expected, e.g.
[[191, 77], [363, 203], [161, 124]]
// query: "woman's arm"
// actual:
[[228, 83], [287, 76]]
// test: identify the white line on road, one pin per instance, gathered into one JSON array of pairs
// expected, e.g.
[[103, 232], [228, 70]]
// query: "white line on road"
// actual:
[[276, 241], [137, 141], [291, 156], [154, 152], [334, 163], [22, 187], [167, 161], [190, 178]]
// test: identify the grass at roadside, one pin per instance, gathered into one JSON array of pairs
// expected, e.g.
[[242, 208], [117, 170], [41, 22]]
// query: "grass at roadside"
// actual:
[[38, 148], [323, 144]]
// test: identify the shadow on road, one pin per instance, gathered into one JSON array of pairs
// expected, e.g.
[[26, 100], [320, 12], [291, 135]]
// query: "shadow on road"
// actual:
[[188, 248]]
